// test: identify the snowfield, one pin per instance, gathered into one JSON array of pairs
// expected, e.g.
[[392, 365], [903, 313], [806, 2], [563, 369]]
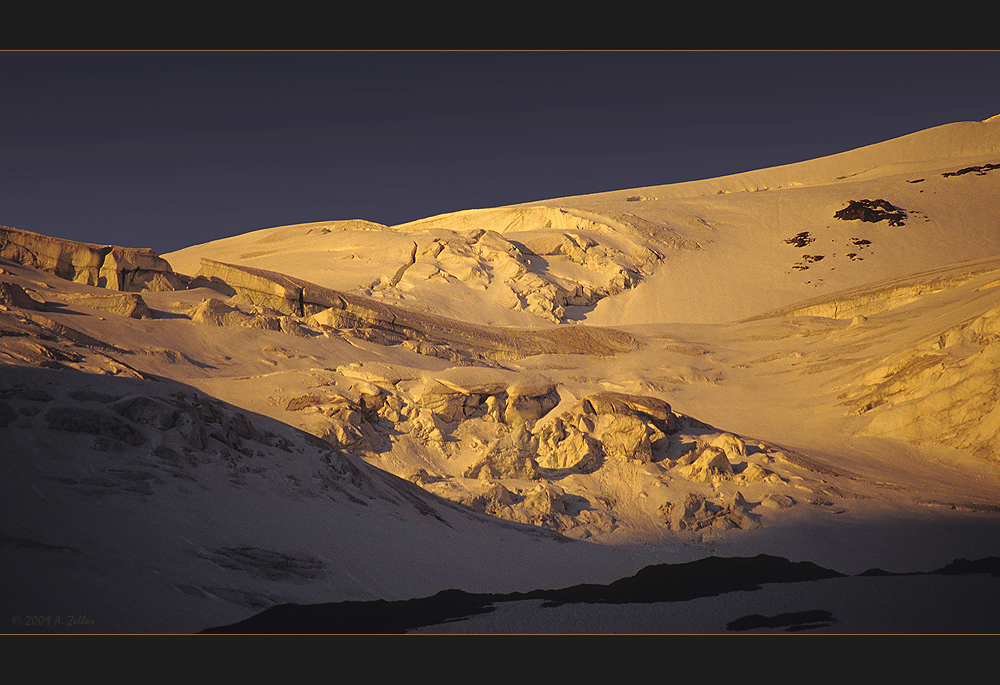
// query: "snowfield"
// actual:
[[718, 386]]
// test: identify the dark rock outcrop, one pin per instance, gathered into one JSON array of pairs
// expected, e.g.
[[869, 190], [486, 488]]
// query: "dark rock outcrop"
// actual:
[[872, 211], [980, 170]]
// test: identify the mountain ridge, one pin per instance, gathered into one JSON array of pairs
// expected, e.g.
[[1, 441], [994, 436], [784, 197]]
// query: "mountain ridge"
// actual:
[[494, 400]]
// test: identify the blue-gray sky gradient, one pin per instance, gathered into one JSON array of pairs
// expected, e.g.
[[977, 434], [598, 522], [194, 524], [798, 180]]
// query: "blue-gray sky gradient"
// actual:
[[170, 149]]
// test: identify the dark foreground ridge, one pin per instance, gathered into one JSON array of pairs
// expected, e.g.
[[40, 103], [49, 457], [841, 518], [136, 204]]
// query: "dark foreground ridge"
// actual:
[[660, 583], [707, 577], [791, 622]]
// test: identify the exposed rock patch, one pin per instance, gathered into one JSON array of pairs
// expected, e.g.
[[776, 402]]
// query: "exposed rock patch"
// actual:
[[980, 170], [872, 211], [800, 239]]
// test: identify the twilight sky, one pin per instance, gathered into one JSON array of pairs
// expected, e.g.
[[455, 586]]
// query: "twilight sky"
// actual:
[[170, 149]]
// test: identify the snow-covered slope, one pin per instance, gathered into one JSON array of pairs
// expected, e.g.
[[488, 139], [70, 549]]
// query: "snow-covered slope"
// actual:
[[511, 398], [705, 251]]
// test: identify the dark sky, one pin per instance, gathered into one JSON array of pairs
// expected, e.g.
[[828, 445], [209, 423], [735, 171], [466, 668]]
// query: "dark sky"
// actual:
[[170, 149]]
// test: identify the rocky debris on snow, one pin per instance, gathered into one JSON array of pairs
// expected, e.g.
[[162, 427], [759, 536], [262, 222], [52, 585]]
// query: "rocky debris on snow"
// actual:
[[861, 244], [104, 266], [872, 211], [800, 239], [980, 170], [807, 259]]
